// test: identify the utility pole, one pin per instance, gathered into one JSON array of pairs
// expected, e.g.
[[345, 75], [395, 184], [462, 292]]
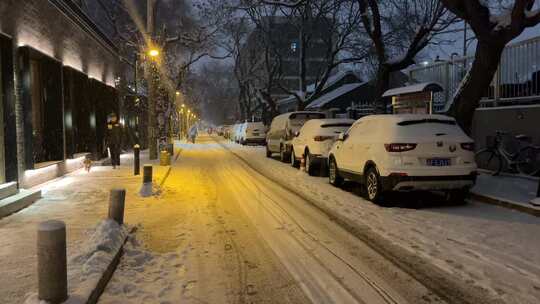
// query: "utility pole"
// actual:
[[152, 136]]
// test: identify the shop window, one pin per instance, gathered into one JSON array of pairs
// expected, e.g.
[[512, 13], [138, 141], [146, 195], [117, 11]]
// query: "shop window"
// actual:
[[2, 155], [42, 107], [8, 141]]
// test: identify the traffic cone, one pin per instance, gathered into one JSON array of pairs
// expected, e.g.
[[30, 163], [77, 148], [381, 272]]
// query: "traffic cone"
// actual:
[[303, 164]]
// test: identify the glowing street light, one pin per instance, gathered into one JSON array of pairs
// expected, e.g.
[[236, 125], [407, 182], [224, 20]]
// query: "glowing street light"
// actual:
[[177, 93], [153, 53]]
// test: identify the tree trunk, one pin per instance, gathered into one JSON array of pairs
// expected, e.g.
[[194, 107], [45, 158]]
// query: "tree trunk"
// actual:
[[474, 84], [381, 86], [152, 121]]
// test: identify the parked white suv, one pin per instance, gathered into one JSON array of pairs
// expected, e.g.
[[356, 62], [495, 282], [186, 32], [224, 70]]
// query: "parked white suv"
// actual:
[[403, 153], [314, 140], [282, 130], [253, 133]]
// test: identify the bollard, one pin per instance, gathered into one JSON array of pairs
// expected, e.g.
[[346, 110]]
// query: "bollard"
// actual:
[[116, 205], [164, 158], [146, 189], [136, 160], [52, 267], [536, 201], [147, 174]]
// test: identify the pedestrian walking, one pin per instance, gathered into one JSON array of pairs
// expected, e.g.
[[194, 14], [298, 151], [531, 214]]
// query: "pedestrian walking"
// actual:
[[114, 139], [193, 133]]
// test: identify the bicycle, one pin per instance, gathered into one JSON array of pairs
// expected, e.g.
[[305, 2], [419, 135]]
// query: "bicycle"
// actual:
[[526, 160]]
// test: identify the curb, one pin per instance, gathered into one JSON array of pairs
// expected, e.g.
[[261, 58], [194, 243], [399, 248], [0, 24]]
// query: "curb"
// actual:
[[505, 204], [17, 202], [106, 276], [164, 179]]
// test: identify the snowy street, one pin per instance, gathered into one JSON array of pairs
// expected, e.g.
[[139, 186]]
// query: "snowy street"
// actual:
[[229, 225]]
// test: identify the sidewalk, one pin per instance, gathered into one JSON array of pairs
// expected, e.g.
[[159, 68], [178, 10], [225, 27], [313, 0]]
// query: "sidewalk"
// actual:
[[508, 191], [80, 199]]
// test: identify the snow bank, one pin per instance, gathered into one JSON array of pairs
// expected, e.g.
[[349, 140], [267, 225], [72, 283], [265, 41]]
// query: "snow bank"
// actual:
[[86, 268]]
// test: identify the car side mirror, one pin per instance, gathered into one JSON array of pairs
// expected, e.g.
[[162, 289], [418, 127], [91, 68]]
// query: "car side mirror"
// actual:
[[297, 133], [342, 136]]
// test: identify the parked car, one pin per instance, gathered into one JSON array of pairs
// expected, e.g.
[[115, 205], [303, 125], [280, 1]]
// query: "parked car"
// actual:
[[253, 133], [403, 153], [282, 130], [314, 140]]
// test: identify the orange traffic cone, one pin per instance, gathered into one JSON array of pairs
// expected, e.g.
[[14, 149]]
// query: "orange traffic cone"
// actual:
[[303, 164]]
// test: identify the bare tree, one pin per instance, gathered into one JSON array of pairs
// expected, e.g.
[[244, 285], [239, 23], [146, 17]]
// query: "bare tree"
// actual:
[[495, 23], [178, 31], [399, 30]]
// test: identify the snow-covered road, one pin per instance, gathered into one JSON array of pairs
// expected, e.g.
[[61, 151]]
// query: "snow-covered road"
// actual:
[[232, 226], [225, 234], [485, 248]]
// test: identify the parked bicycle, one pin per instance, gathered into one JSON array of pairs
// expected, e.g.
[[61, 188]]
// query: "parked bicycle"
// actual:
[[525, 157]]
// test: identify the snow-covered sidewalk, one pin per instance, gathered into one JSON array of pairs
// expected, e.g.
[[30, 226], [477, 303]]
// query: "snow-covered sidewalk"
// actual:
[[510, 191], [80, 199], [490, 247]]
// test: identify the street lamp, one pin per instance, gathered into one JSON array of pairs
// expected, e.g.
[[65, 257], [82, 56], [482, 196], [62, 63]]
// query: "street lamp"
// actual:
[[153, 53], [177, 93]]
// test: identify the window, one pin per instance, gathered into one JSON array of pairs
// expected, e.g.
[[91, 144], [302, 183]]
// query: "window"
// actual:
[[294, 46]]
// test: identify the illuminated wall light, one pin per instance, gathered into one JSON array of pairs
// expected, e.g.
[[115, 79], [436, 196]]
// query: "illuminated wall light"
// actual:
[[71, 161], [93, 121], [41, 172], [42, 45], [69, 120], [74, 63]]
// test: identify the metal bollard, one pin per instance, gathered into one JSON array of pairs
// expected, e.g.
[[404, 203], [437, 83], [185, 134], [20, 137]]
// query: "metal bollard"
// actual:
[[52, 265], [147, 174], [116, 205], [146, 189], [136, 160]]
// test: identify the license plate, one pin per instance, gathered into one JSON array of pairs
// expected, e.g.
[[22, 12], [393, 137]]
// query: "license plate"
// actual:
[[255, 134], [438, 162]]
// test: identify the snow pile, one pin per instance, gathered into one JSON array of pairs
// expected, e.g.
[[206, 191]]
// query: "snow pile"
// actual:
[[100, 249], [86, 268], [147, 277]]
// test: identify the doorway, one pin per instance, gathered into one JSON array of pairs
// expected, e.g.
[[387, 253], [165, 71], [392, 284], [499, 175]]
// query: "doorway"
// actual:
[[2, 150]]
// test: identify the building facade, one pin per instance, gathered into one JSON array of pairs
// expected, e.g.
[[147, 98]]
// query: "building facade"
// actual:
[[58, 80], [280, 36]]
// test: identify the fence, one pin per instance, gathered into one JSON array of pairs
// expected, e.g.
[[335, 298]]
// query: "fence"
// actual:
[[516, 82]]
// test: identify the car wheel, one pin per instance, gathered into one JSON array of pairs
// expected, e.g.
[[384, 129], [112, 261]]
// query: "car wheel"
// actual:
[[309, 168], [283, 154], [456, 196], [268, 152], [333, 174], [373, 185], [294, 162]]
